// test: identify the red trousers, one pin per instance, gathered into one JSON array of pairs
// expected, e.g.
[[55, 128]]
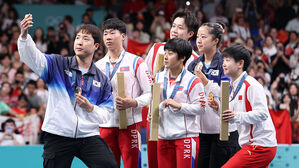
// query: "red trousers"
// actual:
[[124, 143], [252, 156], [179, 153], [151, 150]]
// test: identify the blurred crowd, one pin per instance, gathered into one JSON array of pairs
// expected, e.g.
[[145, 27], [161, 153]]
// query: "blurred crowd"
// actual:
[[269, 29]]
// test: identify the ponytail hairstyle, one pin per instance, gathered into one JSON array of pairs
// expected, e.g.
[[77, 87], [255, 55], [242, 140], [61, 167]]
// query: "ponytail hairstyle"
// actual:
[[216, 30]]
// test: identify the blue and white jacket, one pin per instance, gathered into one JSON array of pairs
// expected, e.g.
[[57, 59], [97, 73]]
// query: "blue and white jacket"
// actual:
[[62, 76]]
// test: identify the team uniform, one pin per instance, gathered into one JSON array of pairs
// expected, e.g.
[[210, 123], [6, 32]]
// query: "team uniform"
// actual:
[[257, 135], [66, 125], [212, 151], [126, 143], [178, 128], [151, 62]]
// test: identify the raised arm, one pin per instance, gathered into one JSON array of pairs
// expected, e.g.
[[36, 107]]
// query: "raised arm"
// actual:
[[29, 54]]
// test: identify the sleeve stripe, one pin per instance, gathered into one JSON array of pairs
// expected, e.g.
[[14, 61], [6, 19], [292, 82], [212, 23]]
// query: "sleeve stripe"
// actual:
[[137, 61], [248, 106], [189, 84], [134, 62], [192, 83]]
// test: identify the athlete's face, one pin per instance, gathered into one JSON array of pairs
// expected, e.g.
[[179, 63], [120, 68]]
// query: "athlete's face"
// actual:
[[84, 45], [179, 29], [113, 39], [204, 40], [171, 60], [231, 67]]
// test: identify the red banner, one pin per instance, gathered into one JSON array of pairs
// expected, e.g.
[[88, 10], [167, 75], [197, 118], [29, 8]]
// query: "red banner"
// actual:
[[136, 47], [282, 123]]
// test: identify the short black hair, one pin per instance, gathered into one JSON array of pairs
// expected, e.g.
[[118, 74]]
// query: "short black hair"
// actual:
[[238, 53], [2, 56], [69, 18], [51, 28], [115, 24], [182, 47], [19, 71], [190, 20], [216, 30], [31, 82], [9, 120], [93, 30], [23, 96]]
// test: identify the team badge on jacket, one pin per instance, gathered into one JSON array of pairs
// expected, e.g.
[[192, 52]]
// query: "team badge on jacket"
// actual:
[[96, 83], [122, 69], [180, 88], [215, 72]]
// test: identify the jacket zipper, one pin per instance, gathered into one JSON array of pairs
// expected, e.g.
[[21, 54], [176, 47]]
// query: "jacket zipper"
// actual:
[[76, 126], [186, 126]]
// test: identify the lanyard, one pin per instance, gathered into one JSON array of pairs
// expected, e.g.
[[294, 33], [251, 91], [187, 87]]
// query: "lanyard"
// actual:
[[238, 87], [110, 76], [176, 88], [74, 76]]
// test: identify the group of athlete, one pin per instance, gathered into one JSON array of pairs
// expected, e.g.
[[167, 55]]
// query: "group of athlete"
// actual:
[[189, 112]]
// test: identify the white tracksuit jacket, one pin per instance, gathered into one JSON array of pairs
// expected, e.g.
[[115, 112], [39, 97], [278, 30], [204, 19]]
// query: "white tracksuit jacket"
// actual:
[[175, 123], [57, 71], [137, 85], [158, 48], [253, 119]]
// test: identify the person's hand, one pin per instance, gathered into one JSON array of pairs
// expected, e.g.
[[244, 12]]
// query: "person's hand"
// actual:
[[172, 103], [125, 103], [156, 19], [228, 115], [213, 104], [66, 37], [8, 133], [26, 23], [153, 77], [279, 53], [83, 103], [200, 74]]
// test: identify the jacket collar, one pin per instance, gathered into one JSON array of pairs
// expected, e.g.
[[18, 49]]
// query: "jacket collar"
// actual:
[[236, 82], [178, 78], [74, 65], [217, 57], [107, 57]]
